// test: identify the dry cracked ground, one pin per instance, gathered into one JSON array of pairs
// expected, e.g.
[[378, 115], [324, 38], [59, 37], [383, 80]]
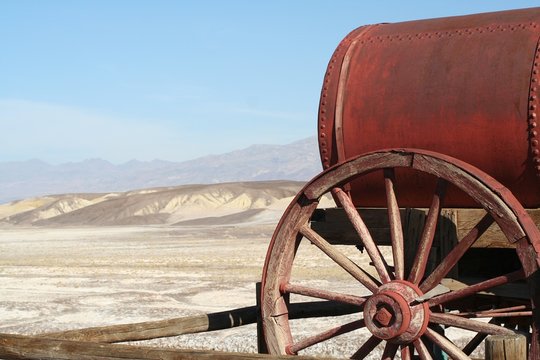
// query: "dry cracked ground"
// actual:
[[74, 261]]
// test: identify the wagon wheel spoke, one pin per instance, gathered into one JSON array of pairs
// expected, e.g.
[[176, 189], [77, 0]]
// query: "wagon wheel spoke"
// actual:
[[394, 220], [474, 343], [323, 294], [456, 253], [476, 288], [514, 311], [468, 324], [506, 309], [406, 352], [339, 258], [419, 266], [423, 352], [326, 335], [363, 233], [366, 348], [448, 346], [398, 313], [498, 314], [390, 351], [477, 339]]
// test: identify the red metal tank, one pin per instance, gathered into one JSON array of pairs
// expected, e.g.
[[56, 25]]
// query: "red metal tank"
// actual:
[[463, 86]]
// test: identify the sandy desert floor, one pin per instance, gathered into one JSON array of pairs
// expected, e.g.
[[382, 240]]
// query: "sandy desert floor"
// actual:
[[56, 279], [69, 278]]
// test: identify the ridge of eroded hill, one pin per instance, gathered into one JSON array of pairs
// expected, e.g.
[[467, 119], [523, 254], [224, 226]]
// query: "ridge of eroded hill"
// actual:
[[224, 203]]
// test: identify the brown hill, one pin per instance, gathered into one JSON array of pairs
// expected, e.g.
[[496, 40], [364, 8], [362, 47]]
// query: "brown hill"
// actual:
[[188, 205]]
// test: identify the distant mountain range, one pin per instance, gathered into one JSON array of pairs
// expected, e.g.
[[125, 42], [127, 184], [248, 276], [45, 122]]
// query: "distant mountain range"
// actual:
[[295, 161]]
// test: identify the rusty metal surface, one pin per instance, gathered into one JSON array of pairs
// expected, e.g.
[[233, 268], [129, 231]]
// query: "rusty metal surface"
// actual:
[[462, 86]]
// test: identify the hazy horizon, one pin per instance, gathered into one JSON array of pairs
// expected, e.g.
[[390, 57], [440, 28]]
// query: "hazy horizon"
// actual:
[[116, 163]]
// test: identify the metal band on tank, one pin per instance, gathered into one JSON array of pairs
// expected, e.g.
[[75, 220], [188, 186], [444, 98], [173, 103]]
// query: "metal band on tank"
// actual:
[[533, 109], [340, 98], [427, 35], [327, 109]]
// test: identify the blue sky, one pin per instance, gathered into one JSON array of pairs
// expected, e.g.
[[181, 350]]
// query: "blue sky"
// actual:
[[174, 80]]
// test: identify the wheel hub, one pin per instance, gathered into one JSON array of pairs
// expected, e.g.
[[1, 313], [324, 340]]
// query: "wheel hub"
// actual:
[[392, 314]]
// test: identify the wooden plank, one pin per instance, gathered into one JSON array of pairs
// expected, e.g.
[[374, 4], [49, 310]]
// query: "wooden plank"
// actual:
[[510, 290], [506, 347], [333, 225], [493, 237], [31, 347], [413, 227], [261, 344], [197, 323], [163, 328], [448, 237]]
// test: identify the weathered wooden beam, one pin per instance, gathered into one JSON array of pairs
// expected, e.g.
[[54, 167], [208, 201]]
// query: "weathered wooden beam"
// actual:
[[195, 324], [333, 225], [261, 342], [29, 347], [163, 328]]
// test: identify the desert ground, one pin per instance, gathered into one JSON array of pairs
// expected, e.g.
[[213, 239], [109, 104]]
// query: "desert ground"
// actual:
[[69, 278], [59, 279], [62, 274]]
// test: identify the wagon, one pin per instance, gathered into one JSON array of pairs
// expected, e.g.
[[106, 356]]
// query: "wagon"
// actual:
[[428, 136]]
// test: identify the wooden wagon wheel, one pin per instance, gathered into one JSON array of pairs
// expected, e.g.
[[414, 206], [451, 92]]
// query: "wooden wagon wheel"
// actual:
[[401, 311]]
